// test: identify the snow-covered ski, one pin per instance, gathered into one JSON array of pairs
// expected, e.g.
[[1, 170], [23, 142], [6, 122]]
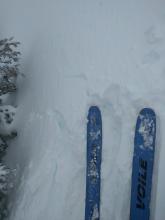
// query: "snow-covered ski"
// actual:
[[142, 168], [94, 148]]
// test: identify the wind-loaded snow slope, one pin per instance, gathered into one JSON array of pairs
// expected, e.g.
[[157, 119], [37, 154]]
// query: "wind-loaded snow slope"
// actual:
[[78, 53]]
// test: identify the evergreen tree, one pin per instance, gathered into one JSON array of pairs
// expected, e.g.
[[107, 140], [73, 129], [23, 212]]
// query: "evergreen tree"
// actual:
[[9, 69]]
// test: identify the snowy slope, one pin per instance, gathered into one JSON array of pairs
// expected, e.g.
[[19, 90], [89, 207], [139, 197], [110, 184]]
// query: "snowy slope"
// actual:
[[75, 54]]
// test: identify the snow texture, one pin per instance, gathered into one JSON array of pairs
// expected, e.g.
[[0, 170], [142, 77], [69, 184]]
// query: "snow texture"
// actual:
[[95, 215], [76, 54], [147, 130], [94, 135]]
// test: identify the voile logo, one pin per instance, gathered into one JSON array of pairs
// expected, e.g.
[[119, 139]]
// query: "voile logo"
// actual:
[[141, 188]]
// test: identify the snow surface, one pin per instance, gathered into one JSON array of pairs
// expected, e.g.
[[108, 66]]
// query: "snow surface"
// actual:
[[79, 53]]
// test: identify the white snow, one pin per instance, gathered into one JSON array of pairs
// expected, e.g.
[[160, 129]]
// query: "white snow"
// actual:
[[95, 215], [7, 114], [147, 130], [95, 135], [76, 54]]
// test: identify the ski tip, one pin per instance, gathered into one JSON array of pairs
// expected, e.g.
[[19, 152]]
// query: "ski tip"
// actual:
[[148, 111], [94, 110], [94, 114]]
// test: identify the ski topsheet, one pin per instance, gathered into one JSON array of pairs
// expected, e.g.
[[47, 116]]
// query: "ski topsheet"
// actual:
[[142, 168], [94, 148]]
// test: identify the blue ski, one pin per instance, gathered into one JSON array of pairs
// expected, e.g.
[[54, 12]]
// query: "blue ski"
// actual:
[[94, 148], [142, 168]]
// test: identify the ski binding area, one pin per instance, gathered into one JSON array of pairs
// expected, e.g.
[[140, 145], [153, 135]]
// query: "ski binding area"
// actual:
[[94, 147], [142, 168]]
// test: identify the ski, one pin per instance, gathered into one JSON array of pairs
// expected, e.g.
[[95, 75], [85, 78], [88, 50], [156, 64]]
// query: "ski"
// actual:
[[93, 171], [142, 167]]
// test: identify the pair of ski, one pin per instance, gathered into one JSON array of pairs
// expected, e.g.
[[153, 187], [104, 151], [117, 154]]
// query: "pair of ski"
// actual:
[[142, 166]]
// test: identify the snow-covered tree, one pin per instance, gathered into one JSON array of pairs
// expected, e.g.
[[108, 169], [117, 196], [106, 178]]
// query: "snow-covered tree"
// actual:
[[4, 173], [9, 69]]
